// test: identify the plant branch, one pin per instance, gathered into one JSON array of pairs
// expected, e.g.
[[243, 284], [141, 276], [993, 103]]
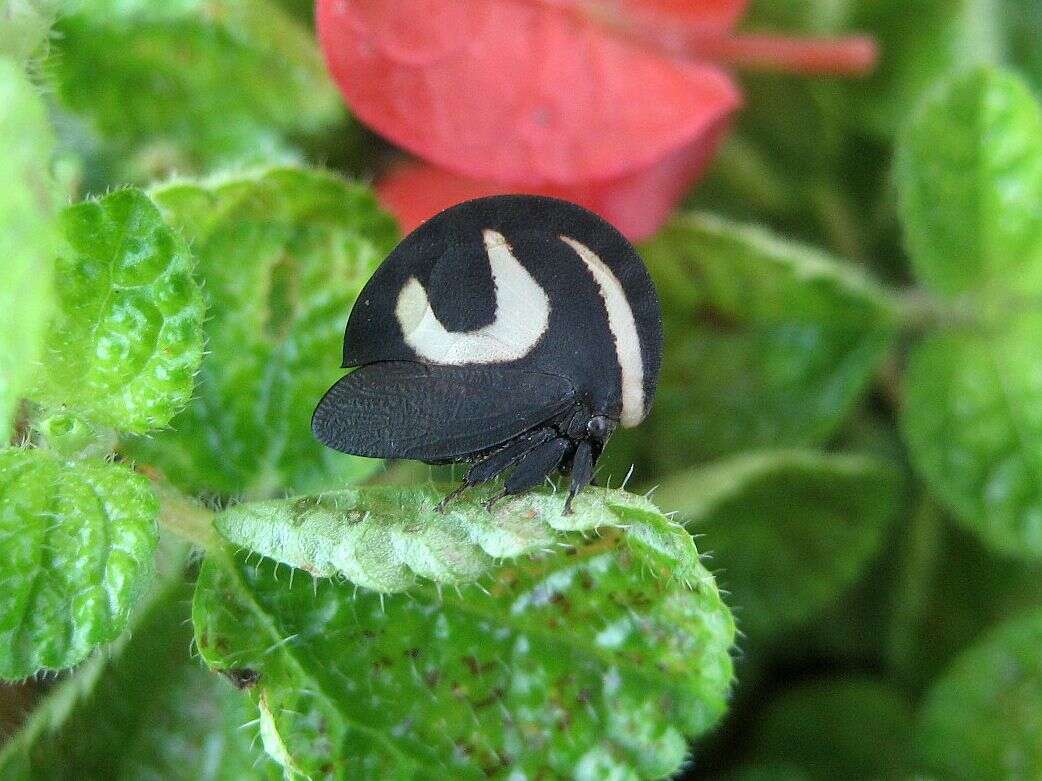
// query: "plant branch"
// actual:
[[182, 515]]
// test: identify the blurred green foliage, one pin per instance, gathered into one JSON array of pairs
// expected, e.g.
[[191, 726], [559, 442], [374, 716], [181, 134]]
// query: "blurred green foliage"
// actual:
[[848, 427]]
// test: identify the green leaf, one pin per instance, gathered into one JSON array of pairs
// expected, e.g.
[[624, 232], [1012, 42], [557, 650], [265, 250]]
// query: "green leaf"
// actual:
[[789, 531], [146, 710], [947, 36], [592, 658], [282, 255], [28, 238], [969, 173], [24, 29], [190, 84], [981, 720], [384, 537], [127, 339], [77, 541], [768, 343], [970, 420], [851, 728]]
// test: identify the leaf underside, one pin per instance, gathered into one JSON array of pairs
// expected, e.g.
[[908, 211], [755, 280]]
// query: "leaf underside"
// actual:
[[594, 654]]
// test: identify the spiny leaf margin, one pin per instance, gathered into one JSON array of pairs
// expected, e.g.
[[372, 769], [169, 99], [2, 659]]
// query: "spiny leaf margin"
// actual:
[[126, 340], [594, 655], [77, 541]]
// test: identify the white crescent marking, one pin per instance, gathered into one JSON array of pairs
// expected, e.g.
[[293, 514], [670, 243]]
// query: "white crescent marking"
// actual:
[[521, 319], [623, 329]]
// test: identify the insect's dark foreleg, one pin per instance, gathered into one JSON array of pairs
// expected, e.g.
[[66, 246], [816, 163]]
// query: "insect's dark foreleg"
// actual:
[[582, 472], [535, 467], [493, 465]]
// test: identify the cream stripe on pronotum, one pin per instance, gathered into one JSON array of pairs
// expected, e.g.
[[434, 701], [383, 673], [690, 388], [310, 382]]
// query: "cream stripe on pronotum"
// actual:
[[623, 330], [521, 316]]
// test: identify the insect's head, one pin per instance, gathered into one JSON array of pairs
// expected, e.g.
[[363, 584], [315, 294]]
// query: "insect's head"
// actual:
[[600, 427]]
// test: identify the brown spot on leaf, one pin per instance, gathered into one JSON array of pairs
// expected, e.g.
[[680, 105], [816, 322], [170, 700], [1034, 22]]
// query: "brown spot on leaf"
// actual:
[[242, 677]]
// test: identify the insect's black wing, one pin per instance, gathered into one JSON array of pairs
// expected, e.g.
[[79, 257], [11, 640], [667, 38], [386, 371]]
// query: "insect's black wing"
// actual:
[[401, 409]]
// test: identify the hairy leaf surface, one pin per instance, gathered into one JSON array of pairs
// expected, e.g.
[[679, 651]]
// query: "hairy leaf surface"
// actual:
[[145, 710], [77, 541], [282, 255], [127, 338], [593, 657]]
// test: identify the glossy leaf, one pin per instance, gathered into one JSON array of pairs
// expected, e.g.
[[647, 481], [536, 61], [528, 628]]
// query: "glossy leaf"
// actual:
[[146, 710], [768, 343], [971, 176], [856, 728], [185, 85], [282, 255], [127, 337], [593, 657], [971, 423], [459, 86], [788, 531], [28, 237], [77, 541], [969, 172], [981, 720]]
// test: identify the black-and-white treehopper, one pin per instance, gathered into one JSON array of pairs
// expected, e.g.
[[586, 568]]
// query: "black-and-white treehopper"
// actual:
[[513, 332]]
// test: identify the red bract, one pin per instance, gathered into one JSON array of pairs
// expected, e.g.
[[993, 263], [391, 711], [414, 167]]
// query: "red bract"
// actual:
[[520, 92], [614, 104], [637, 204]]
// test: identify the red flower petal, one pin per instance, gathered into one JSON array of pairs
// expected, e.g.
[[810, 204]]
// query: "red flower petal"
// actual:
[[520, 91], [716, 15], [637, 204]]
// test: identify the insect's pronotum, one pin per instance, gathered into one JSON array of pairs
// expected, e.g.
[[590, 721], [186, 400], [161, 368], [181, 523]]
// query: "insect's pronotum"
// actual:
[[513, 332]]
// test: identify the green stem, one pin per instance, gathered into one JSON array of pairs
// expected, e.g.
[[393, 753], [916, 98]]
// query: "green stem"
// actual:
[[184, 516], [914, 586], [920, 312]]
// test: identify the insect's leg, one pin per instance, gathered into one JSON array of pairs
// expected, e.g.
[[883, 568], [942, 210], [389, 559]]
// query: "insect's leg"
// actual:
[[582, 472], [536, 465], [493, 465]]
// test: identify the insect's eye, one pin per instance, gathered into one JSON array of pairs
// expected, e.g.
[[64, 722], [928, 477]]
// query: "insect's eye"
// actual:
[[599, 427]]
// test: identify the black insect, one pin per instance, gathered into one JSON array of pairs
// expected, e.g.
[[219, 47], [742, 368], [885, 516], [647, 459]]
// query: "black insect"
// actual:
[[511, 331]]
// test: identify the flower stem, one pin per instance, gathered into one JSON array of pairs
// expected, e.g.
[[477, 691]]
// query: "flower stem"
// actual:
[[664, 33]]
